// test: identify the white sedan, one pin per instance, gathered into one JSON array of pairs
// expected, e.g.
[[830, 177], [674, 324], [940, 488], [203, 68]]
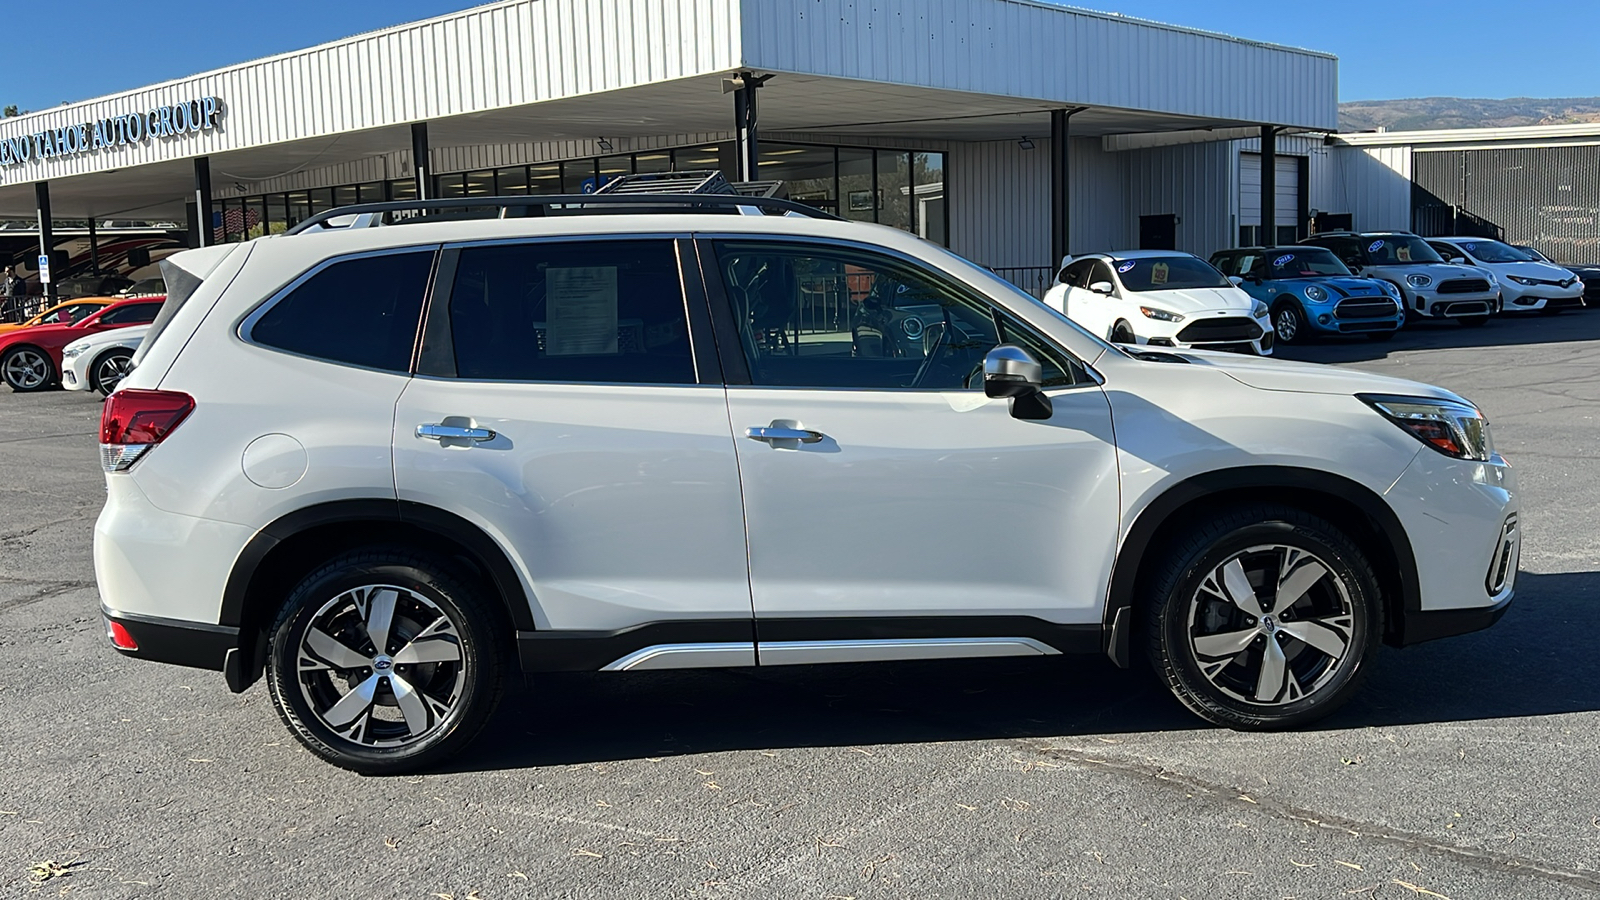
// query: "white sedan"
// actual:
[[1161, 298], [100, 361]]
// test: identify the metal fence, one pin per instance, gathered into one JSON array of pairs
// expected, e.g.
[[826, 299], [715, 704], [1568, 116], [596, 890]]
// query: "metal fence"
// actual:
[[1036, 280], [1548, 197]]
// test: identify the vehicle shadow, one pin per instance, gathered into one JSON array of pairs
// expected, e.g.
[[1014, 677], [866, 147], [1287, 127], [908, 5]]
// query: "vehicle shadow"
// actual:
[[1572, 325], [1539, 660]]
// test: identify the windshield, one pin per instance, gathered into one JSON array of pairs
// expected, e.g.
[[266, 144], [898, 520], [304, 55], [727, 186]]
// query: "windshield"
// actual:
[[1495, 252], [1536, 255], [1398, 250], [1168, 273], [1301, 263]]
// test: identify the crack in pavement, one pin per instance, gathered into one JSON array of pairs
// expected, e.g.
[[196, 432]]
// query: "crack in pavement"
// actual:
[[1477, 858], [46, 437], [53, 589]]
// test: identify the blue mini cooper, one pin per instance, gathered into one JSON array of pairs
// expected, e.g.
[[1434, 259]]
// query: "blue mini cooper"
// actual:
[[1311, 293]]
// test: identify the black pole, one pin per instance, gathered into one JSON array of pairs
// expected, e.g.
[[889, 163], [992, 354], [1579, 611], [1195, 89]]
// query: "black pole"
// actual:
[[747, 164], [94, 250], [1269, 186], [421, 160], [47, 236], [202, 201], [1061, 183]]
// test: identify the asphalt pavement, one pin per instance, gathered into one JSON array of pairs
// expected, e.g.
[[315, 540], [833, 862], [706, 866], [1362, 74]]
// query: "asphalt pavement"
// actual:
[[1468, 768]]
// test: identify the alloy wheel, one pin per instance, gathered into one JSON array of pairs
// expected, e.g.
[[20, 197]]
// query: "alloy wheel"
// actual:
[[1272, 625], [110, 371], [26, 369], [1286, 322], [382, 666]]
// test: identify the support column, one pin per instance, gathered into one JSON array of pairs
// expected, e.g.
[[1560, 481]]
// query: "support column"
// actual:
[[205, 234], [748, 153], [1061, 183], [94, 249], [47, 236], [1269, 186], [422, 161]]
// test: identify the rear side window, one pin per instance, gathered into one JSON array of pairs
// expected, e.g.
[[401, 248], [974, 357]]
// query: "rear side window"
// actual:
[[587, 311], [361, 311], [137, 314]]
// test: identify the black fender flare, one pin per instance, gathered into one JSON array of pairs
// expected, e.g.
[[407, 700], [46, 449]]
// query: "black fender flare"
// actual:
[[1262, 480]]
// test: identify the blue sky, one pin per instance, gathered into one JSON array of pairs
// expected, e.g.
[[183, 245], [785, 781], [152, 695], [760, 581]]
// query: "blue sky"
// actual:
[[77, 49]]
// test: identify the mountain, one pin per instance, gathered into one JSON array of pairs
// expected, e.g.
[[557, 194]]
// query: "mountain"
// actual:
[[1458, 112]]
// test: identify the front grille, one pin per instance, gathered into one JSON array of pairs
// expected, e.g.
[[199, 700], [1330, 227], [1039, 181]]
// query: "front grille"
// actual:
[[1467, 308], [1227, 328], [1366, 325], [1464, 286], [1365, 309]]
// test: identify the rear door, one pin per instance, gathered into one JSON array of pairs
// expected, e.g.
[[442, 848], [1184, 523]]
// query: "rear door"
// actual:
[[568, 402]]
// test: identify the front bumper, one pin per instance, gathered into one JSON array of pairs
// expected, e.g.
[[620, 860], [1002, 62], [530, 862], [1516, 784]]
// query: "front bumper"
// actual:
[[1429, 304], [1180, 335], [1533, 298]]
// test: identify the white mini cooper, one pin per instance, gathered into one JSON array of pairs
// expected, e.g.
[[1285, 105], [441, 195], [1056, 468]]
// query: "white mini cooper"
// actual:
[[386, 467]]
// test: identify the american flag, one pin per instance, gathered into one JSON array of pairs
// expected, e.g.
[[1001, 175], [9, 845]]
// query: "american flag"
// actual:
[[234, 222]]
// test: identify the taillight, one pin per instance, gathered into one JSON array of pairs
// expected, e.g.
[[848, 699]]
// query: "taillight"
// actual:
[[132, 421], [120, 638]]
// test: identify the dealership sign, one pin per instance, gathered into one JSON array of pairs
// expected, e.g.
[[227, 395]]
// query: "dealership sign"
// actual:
[[190, 117]]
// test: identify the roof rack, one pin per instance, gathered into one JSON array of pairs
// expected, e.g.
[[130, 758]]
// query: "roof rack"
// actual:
[[363, 215]]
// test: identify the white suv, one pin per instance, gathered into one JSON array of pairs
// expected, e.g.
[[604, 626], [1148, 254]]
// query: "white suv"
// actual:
[[387, 466]]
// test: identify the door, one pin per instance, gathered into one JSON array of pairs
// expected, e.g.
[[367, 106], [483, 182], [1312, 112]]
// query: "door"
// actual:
[[1158, 232], [1095, 311], [891, 508], [563, 406]]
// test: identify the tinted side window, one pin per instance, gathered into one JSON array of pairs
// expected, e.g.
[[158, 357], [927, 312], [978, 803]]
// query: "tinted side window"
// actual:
[[596, 311], [140, 314], [360, 311], [1077, 274], [1101, 272]]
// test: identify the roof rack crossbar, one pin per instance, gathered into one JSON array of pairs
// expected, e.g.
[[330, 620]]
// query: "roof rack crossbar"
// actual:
[[539, 205]]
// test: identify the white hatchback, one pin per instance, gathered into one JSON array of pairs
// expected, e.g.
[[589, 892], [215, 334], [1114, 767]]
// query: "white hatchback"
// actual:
[[386, 468], [1162, 298], [1526, 284]]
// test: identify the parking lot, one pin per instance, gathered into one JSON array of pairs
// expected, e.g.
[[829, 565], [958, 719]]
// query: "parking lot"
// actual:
[[1467, 768]]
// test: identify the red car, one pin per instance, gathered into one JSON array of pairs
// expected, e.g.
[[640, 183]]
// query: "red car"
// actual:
[[30, 359]]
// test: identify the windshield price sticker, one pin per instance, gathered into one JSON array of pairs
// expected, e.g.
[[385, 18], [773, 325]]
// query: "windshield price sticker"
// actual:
[[1125, 268], [1283, 260], [1158, 273]]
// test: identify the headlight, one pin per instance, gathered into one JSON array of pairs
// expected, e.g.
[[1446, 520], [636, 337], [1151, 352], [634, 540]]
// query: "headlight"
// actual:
[[1160, 315], [1260, 310], [1452, 428], [1520, 280], [1315, 294], [75, 350], [1390, 289], [1418, 280]]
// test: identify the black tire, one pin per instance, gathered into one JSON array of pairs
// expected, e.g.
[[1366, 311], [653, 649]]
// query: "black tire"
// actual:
[[108, 370], [1474, 321], [1289, 323], [1180, 606], [27, 369], [451, 700], [1380, 335], [1122, 333]]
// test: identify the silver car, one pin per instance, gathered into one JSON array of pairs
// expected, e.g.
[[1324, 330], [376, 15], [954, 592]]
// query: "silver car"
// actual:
[[1429, 286]]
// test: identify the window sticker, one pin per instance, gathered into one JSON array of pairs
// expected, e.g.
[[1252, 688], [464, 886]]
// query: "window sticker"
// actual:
[[1159, 272], [582, 309], [1470, 248], [1283, 260], [1126, 267], [1375, 246], [1403, 253]]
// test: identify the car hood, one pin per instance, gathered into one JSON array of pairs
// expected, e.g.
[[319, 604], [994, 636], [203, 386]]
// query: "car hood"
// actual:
[[1436, 271], [1539, 270], [1341, 285], [1192, 300], [1268, 374]]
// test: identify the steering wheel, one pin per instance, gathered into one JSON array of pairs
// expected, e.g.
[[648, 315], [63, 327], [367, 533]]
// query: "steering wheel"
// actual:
[[939, 343]]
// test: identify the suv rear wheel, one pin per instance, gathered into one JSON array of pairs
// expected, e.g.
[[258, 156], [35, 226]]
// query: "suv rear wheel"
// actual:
[[1263, 617], [386, 660]]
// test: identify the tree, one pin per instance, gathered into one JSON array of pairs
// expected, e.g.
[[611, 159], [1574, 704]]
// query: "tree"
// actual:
[[12, 111]]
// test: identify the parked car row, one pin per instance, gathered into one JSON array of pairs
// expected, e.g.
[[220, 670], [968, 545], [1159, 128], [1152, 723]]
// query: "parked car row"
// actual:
[[33, 357], [1341, 282]]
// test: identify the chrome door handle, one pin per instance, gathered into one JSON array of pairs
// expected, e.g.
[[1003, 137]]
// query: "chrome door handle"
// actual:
[[439, 432], [771, 433]]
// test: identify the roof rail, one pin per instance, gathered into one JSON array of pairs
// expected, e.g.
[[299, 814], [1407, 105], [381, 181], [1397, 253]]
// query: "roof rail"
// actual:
[[372, 214]]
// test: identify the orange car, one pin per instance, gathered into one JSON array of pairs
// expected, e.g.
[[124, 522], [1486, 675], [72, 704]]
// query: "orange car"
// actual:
[[63, 313]]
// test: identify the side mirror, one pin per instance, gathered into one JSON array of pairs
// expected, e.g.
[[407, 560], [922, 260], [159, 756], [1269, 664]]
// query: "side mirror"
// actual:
[[1236, 280], [1011, 372], [1458, 260], [1102, 287]]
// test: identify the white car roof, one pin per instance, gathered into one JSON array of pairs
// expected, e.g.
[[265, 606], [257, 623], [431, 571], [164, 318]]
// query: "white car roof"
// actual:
[[1134, 254]]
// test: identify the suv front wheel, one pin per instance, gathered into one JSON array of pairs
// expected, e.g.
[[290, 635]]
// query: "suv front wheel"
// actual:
[[1263, 617], [386, 660]]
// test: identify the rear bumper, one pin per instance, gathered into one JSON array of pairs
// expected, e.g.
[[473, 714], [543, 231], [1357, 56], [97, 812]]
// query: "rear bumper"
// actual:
[[175, 642], [1417, 627]]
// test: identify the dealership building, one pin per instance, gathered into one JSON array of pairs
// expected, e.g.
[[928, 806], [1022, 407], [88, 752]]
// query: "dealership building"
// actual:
[[1012, 131]]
